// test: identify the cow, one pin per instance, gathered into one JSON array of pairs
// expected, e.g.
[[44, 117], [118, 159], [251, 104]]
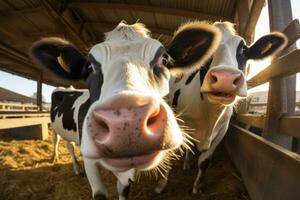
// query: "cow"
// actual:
[[205, 98], [122, 121]]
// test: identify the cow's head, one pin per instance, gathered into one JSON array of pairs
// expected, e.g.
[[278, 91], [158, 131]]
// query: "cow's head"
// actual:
[[225, 76], [128, 124]]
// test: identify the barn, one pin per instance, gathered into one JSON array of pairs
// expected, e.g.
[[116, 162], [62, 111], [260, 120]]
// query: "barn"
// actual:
[[259, 156]]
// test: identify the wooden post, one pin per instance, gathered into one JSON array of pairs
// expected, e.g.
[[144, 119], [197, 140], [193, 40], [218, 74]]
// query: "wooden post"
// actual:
[[281, 98], [39, 100]]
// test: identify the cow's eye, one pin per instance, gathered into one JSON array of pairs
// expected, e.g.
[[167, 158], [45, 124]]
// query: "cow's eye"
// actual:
[[165, 59], [90, 68], [243, 49]]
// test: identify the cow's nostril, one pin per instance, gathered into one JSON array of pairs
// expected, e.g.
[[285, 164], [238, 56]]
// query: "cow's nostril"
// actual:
[[237, 80], [214, 78], [153, 118], [102, 125]]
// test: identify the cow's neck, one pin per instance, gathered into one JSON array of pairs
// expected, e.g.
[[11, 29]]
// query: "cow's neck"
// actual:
[[198, 113]]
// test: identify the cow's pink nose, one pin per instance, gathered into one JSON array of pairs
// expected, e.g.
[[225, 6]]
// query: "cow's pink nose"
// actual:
[[128, 131], [225, 81]]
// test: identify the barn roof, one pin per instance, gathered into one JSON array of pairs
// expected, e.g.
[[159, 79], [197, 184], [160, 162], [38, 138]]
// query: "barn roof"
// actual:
[[7, 95], [84, 22]]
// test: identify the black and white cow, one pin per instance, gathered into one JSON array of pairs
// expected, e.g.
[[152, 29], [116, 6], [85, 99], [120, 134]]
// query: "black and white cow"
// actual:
[[122, 120], [66, 104], [205, 97]]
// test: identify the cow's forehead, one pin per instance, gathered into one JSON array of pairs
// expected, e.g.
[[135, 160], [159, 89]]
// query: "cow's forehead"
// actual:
[[143, 48], [228, 34]]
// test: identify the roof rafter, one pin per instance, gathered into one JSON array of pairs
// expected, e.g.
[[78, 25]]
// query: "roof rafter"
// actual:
[[5, 48], [52, 12], [23, 11], [149, 8], [250, 25], [109, 26]]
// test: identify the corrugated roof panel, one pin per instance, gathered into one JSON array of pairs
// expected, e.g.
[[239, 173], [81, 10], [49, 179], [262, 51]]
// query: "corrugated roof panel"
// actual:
[[4, 8], [138, 2], [212, 7], [170, 22], [21, 4], [91, 14], [126, 15], [40, 20], [146, 18], [20, 26], [110, 15]]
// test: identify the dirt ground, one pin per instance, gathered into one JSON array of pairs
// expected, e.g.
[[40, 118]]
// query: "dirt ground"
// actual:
[[27, 173]]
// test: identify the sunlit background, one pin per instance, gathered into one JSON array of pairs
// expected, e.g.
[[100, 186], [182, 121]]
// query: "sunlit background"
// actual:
[[28, 87]]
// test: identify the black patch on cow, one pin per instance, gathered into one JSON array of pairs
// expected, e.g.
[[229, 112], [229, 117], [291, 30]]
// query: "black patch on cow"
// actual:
[[62, 103], [241, 56], [175, 98], [100, 197], [191, 77], [156, 64], [81, 115], [203, 71], [95, 80], [125, 191], [157, 56]]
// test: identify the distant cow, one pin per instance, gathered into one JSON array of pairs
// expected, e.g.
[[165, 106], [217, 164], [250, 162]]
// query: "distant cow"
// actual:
[[122, 120], [206, 96]]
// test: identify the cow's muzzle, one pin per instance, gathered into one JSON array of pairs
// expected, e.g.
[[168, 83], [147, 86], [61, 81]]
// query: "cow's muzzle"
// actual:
[[131, 131]]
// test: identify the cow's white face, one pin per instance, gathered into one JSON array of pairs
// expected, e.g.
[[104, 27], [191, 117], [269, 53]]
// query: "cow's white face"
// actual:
[[226, 75], [128, 124]]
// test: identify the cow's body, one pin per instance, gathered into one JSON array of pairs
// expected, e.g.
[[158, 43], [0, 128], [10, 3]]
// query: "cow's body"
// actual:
[[205, 98], [124, 121], [68, 109]]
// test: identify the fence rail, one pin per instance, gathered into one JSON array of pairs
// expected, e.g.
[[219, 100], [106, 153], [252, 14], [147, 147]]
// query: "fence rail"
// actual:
[[18, 107], [268, 170], [271, 171], [13, 115]]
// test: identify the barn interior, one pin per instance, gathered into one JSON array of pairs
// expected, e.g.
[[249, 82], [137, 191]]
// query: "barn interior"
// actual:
[[275, 167]]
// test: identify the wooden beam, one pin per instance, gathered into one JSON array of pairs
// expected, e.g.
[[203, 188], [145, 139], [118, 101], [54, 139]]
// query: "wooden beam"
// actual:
[[252, 19], [148, 8], [252, 120], [268, 170], [14, 12], [284, 66], [56, 15], [39, 92], [289, 125], [243, 11], [104, 27], [19, 70], [292, 31], [21, 14], [92, 37], [14, 55], [7, 48], [16, 122], [282, 91]]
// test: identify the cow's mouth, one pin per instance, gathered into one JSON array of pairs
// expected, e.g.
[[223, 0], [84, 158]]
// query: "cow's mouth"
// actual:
[[222, 97], [142, 162]]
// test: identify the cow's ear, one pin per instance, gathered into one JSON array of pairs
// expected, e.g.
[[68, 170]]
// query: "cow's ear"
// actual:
[[266, 46], [192, 44], [60, 56]]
